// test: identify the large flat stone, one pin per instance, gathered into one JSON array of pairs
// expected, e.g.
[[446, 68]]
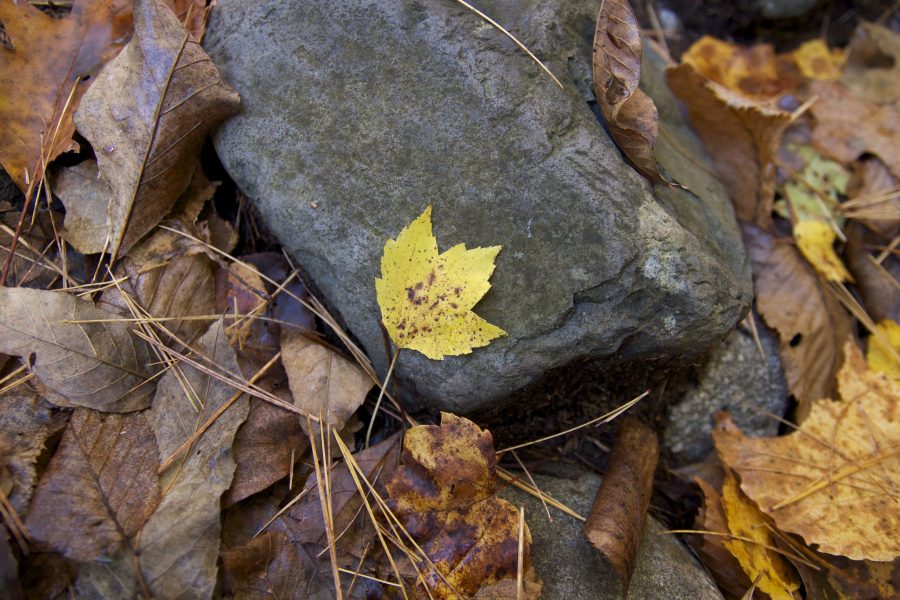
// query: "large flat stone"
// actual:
[[358, 114]]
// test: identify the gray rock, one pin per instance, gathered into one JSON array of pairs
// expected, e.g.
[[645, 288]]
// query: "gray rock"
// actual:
[[357, 114], [571, 568], [734, 378], [784, 9]]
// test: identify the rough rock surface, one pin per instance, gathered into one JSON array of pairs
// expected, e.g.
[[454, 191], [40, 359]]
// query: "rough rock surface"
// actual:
[[357, 114], [735, 378], [571, 568]]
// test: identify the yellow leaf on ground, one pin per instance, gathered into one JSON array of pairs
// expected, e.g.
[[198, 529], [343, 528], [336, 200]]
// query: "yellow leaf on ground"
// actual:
[[776, 576], [834, 481], [754, 71], [884, 346], [816, 61], [426, 298], [815, 239]]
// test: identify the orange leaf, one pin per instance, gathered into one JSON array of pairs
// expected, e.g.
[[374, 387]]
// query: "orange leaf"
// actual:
[[49, 60]]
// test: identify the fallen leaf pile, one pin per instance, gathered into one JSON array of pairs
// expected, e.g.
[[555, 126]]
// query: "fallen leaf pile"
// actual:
[[806, 143]]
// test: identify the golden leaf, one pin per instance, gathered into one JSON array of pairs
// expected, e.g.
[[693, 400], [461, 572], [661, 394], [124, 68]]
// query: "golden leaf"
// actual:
[[816, 61], [834, 480], [884, 346], [776, 576], [426, 298], [815, 239]]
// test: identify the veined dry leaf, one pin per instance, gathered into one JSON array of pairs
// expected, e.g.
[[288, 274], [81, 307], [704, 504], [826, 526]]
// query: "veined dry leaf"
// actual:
[[615, 524], [267, 566], [873, 65], [193, 14], [811, 324], [263, 447], [98, 365], [179, 544], [718, 560], [847, 125], [323, 382], [167, 287], [27, 267], [26, 422], [49, 61], [426, 299], [815, 239], [876, 283], [100, 486], [240, 291], [771, 572], [304, 521], [864, 579], [629, 113], [884, 348], [831, 481], [443, 492], [741, 135], [147, 140]]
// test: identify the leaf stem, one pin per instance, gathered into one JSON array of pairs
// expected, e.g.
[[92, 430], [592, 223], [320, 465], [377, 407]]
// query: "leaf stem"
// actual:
[[381, 395]]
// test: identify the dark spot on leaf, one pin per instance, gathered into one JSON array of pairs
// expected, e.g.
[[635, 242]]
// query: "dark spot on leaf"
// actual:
[[795, 341]]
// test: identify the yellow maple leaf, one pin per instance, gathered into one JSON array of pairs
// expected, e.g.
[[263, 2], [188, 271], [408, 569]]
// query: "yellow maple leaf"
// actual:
[[776, 576], [426, 298], [816, 61], [884, 346], [815, 239], [834, 480]]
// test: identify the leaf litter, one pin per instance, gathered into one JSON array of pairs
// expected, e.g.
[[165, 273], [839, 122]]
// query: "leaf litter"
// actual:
[[231, 420]]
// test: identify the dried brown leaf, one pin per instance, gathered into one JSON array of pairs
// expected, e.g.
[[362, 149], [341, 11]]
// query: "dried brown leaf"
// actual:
[[876, 283], [847, 125], [873, 64], [630, 113], [266, 567], [323, 382], [832, 481], [811, 324], [99, 488], [443, 493], [741, 135], [167, 286], [721, 563], [148, 140], [179, 544], [49, 61], [26, 422], [262, 448], [615, 524], [98, 365]]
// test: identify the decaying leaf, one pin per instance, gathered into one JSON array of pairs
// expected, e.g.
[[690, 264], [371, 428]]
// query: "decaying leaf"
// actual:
[[771, 572], [263, 447], [847, 125], [147, 141], [720, 562], [830, 481], [426, 299], [815, 239], [86, 197], [754, 71], [629, 113], [813, 194], [304, 521], [100, 486], [817, 61], [741, 135], [48, 62], [443, 492], [811, 324], [615, 524], [179, 544], [26, 422], [96, 364], [323, 382], [884, 346], [876, 282], [240, 290], [168, 286], [873, 64], [269, 566]]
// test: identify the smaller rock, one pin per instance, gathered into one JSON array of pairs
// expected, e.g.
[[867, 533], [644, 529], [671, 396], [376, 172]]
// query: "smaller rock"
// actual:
[[737, 379], [571, 568]]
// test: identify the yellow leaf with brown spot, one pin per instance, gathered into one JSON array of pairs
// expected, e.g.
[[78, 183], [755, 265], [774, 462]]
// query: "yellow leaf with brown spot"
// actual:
[[426, 298], [776, 576], [815, 239], [884, 346], [816, 61], [444, 494], [834, 481]]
